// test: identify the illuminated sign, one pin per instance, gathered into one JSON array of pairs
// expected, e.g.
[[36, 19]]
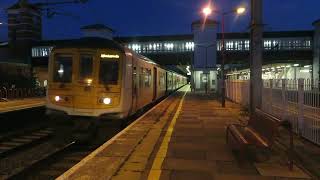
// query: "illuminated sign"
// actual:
[[115, 56], [188, 70]]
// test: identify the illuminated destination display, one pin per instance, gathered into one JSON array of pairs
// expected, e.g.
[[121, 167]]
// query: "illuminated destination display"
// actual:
[[116, 56]]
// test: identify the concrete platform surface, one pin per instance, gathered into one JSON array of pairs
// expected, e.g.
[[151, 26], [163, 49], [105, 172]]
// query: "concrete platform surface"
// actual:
[[182, 138], [20, 104]]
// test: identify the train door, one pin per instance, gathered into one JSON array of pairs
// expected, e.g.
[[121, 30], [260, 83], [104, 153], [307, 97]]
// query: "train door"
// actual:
[[167, 82], [134, 85], [204, 81], [155, 87]]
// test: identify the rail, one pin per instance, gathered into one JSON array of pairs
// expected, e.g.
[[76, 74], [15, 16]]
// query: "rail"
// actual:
[[296, 100]]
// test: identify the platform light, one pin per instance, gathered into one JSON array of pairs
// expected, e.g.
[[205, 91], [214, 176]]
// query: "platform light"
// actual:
[[306, 66], [296, 65], [106, 101], [241, 10], [305, 70], [57, 98], [207, 11], [288, 66]]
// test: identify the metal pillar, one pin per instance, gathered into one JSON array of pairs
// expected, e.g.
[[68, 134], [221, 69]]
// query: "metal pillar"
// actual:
[[223, 93], [256, 54]]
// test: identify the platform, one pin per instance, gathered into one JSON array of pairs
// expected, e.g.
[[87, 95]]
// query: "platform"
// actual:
[[20, 104], [181, 138]]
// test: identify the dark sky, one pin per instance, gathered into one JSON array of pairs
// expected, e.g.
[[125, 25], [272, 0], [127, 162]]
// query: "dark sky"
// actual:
[[158, 17]]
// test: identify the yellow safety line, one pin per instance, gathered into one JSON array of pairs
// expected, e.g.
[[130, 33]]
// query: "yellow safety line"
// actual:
[[155, 171]]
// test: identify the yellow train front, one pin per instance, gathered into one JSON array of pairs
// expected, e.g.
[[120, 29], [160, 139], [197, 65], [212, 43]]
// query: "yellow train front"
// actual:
[[94, 77]]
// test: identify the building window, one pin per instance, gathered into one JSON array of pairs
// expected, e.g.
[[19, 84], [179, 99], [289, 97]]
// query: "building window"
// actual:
[[247, 45], [41, 51], [267, 44]]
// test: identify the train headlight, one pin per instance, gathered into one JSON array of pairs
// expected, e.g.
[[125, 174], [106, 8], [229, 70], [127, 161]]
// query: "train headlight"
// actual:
[[57, 98], [61, 98], [106, 101]]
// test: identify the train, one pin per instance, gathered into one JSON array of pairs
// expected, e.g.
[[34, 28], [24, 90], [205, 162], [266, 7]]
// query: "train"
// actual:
[[100, 78]]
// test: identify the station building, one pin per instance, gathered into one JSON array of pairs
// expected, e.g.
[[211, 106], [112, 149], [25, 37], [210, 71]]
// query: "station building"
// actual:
[[287, 54]]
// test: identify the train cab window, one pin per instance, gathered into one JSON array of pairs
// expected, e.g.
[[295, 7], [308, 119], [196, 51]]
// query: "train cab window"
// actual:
[[86, 67], [62, 71], [109, 71]]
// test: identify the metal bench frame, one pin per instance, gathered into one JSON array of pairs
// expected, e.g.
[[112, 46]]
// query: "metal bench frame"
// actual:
[[260, 132]]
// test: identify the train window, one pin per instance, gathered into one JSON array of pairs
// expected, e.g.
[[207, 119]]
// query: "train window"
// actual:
[[62, 71], [141, 77], [86, 67], [147, 80], [109, 71], [162, 79]]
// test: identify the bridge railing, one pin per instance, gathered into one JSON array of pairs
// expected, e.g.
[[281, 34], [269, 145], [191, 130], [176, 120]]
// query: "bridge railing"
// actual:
[[20, 93], [296, 100]]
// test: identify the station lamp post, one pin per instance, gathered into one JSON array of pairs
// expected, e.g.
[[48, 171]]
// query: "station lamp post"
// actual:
[[207, 11]]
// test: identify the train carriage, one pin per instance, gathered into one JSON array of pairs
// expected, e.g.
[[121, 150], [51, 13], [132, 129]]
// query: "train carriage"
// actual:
[[94, 77]]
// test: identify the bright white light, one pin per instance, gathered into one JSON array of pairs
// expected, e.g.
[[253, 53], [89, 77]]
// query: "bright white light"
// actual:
[[188, 70], [89, 81], [305, 70], [61, 71], [306, 66], [57, 98], [116, 56], [106, 101], [1, 23], [288, 66], [296, 65], [241, 10], [207, 11]]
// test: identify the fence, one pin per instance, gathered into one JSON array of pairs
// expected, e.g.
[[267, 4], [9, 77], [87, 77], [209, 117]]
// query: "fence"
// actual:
[[295, 100], [18, 93]]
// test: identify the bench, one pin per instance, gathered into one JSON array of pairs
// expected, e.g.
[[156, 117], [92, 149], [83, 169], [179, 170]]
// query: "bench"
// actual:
[[260, 132]]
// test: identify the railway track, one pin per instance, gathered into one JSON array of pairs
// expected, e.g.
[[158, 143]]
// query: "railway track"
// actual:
[[55, 160], [53, 164], [15, 142]]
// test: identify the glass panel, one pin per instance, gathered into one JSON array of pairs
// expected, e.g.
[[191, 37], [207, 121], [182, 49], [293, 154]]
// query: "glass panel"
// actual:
[[62, 70], [109, 71], [86, 67]]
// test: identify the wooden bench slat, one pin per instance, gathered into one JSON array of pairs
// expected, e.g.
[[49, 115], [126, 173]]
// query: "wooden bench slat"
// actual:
[[234, 130], [261, 131], [257, 138]]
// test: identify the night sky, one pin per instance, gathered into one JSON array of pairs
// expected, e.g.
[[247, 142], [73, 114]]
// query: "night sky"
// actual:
[[159, 17]]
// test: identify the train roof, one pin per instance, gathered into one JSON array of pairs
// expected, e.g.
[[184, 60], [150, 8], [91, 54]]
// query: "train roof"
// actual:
[[168, 68], [89, 42]]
